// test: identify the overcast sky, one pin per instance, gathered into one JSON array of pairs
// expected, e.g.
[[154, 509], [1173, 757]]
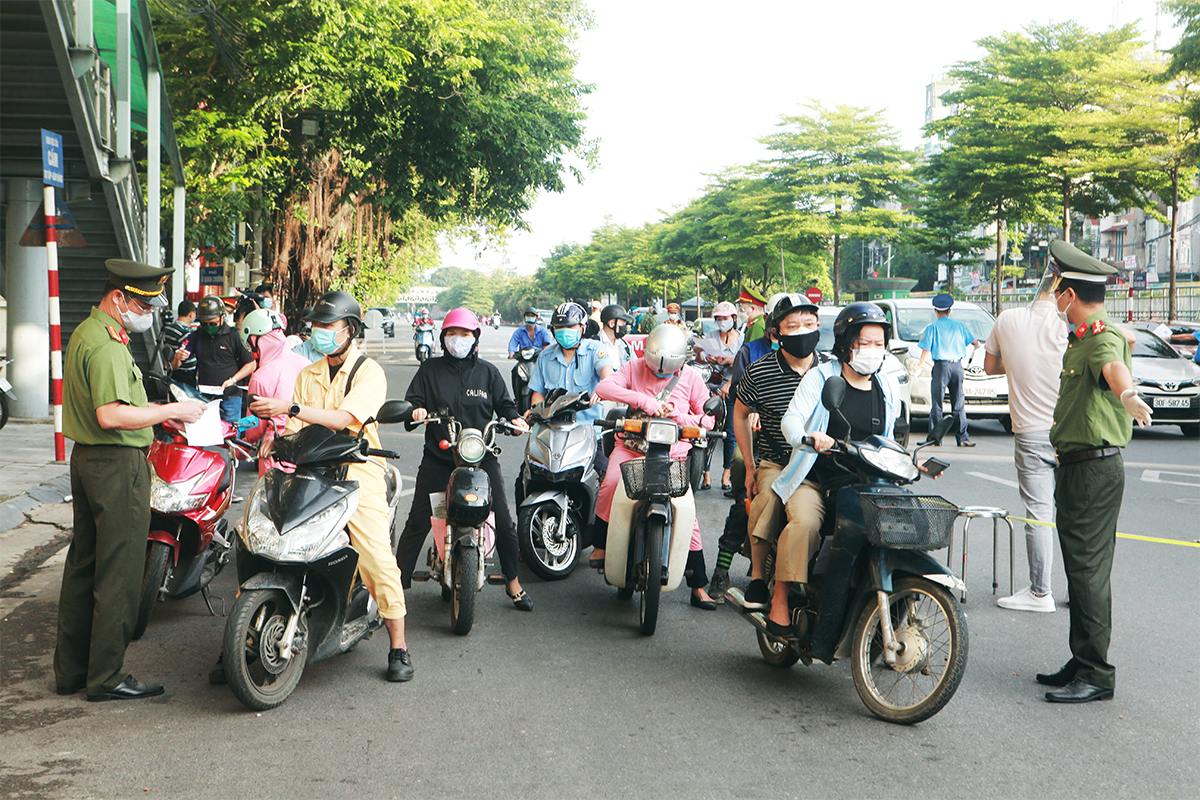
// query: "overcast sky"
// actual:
[[685, 88]]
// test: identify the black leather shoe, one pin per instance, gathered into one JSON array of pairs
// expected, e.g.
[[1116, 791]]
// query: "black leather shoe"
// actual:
[[966, 443], [1060, 678], [757, 596], [400, 667], [704, 605], [67, 689], [129, 689], [521, 601], [1079, 692]]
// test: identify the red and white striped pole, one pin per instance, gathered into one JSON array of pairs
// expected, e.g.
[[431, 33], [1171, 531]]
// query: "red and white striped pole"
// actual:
[[56, 370]]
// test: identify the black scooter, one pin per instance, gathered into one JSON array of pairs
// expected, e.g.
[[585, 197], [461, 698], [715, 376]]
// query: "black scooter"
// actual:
[[520, 377]]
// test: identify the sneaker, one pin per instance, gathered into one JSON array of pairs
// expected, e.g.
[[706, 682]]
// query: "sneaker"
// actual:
[[400, 666], [758, 597], [1026, 600], [718, 585]]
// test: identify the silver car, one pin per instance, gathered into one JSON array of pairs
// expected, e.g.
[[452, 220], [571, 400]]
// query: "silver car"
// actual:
[[1168, 381]]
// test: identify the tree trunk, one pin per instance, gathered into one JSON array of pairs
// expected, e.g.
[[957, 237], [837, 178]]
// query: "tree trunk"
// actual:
[[1066, 208], [998, 282], [1174, 235], [837, 246]]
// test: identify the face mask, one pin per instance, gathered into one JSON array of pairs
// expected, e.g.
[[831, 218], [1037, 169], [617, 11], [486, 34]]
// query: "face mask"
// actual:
[[135, 323], [567, 337], [742, 318], [867, 360], [325, 341], [621, 331], [673, 317], [662, 374], [1063, 314], [531, 320], [774, 344], [459, 346], [725, 325], [211, 328], [268, 303], [800, 344]]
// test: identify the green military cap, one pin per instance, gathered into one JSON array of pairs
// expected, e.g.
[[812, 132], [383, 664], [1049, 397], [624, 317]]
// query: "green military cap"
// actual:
[[1073, 264], [145, 282]]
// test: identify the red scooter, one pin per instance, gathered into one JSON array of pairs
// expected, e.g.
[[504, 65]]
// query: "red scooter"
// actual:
[[190, 491]]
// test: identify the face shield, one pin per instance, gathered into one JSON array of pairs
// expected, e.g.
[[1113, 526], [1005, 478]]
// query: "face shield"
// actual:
[[1048, 284]]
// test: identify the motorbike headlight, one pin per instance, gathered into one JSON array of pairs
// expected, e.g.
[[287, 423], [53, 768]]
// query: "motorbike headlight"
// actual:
[[891, 461], [470, 446], [661, 432], [321, 533], [173, 498]]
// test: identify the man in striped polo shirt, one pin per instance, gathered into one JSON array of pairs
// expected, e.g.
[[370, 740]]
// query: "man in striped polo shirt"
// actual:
[[767, 388]]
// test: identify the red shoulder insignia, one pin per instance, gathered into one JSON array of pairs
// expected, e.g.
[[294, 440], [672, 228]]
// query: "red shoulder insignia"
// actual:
[[1098, 326], [117, 334], [1081, 330]]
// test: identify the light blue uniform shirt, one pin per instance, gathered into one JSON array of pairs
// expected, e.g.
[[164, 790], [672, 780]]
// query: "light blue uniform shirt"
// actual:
[[806, 415], [946, 339], [551, 371], [521, 339]]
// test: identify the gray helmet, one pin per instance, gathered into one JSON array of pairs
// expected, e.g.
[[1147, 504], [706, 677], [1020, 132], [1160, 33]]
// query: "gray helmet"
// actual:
[[210, 307], [334, 306], [666, 349]]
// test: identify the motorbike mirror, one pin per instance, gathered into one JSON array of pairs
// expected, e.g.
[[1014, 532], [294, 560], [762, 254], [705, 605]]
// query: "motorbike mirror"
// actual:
[[395, 411], [939, 431], [833, 392], [232, 390], [713, 405]]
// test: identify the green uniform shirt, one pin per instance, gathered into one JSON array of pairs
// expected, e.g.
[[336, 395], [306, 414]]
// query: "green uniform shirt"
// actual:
[[99, 370], [1088, 415], [756, 329]]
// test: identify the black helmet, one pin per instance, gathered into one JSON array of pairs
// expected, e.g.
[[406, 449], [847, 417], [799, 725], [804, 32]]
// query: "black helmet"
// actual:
[[334, 306], [210, 307], [790, 304], [609, 313], [853, 317], [568, 314]]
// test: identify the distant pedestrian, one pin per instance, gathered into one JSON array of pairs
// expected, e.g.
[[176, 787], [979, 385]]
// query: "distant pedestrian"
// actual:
[[946, 342], [174, 335]]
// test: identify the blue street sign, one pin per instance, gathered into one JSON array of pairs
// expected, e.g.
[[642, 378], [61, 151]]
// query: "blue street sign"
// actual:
[[212, 276], [52, 159]]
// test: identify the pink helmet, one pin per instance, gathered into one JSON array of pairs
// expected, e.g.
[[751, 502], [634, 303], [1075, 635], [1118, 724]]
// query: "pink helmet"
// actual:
[[725, 309], [461, 318]]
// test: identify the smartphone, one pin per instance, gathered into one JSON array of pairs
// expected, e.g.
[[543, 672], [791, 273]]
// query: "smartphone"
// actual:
[[934, 467]]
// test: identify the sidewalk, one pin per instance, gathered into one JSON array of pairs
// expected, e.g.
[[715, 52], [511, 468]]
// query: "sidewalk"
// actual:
[[34, 520]]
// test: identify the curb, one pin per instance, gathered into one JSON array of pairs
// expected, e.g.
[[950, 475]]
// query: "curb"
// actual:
[[13, 512]]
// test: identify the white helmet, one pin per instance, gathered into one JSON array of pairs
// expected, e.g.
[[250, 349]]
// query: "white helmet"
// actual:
[[666, 349]]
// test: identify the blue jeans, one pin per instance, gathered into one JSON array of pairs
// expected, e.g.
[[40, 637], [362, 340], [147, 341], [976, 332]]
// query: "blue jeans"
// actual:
[[948, 375], [231, 409]]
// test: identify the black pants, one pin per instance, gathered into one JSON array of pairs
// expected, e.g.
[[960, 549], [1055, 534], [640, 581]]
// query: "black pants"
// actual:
[[737, 522], [432, 476]]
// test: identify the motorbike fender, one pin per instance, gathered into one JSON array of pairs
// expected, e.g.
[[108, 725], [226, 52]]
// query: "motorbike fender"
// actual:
[[920, 564], [468, 497], [558, 498], [682, 515], [290, 582], [168, 538]]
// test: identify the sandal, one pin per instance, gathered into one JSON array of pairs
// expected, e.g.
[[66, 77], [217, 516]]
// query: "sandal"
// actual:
[[521, 600]]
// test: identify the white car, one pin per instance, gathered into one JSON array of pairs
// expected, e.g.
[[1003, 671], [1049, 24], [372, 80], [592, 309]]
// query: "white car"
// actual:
[[1168, 381], [986, 396]]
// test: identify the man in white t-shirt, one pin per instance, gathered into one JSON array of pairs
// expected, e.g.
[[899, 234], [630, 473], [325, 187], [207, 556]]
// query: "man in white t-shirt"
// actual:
[[1027, 344]]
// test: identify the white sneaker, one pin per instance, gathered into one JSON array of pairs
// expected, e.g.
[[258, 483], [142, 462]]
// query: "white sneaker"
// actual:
[[1026, 600]]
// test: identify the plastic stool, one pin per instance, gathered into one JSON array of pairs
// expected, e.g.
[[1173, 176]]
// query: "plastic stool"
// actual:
[[996, 515]]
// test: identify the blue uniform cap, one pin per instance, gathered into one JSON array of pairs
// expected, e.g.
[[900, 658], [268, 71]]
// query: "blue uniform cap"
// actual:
[[943, 301]]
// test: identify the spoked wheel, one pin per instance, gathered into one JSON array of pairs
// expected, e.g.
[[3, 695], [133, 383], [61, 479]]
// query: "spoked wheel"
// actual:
[[549, 548], [932, 634], [652, 570], [158, 572], [462, 600], [255, 667]]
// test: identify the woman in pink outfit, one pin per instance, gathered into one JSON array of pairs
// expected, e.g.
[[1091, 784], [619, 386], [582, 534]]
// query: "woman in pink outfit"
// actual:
[[646, 384], [275, 377]]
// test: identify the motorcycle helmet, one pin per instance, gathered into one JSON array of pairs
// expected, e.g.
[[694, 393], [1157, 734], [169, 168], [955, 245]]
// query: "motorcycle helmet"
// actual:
[[258, 323], [785, 304], [334, 306], [666, 349], [850, 319], [568, 314], [460, 318], [609, 313], [210, 307]]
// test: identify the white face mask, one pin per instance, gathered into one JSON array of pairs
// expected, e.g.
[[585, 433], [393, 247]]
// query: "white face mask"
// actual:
[[135, 323], [867, 360], [459, 346], [726, 325], [1063, 314], [673, 317]]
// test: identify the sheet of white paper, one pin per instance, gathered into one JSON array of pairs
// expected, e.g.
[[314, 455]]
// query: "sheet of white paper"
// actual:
[[206, 431], [1163, 332], [214, 391]]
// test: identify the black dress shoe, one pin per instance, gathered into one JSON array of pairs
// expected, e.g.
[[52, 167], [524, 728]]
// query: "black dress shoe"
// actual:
[[129, 689], [521, 600], [966, 443], [400, 666], [704, 605], [1079, 692], [1060, 678]]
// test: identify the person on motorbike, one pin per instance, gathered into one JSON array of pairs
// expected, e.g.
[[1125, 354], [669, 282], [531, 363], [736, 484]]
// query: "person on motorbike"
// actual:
[[474, 392], [342, 391], [861, 332], [639, 384], [719, 350], [531, 334], [278, 368], [614, 325]]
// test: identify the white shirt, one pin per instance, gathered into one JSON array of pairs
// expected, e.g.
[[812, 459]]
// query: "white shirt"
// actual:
[[1031, 340]]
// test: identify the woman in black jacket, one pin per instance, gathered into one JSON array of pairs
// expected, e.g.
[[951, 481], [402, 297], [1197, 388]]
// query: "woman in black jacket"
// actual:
[[474, 391]]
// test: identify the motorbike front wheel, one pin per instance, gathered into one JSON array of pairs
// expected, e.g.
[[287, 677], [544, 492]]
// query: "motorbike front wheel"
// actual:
[[652, 569], [259, 675], [548, 551], [462, 599], [932, 633], [158, 564]]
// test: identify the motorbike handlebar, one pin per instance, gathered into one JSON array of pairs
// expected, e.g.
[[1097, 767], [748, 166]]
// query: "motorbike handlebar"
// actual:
[[383, 453]]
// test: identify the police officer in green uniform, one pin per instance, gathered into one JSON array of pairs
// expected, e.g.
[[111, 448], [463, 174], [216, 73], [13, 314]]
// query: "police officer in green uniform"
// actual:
[[1092, 422], [106, 414]]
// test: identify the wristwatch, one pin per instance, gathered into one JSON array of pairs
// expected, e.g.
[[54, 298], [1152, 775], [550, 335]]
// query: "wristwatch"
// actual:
[[294, 410]]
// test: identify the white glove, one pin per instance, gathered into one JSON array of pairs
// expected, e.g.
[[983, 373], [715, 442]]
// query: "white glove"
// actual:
[[1136, 407]]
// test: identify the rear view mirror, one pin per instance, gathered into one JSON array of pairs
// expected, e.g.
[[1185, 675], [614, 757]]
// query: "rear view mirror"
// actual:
[[714, 406], [395, 411], [833, 392], [939, 431]]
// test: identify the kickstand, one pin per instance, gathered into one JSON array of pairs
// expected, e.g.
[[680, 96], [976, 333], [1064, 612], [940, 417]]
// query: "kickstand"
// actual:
[[208, 602]]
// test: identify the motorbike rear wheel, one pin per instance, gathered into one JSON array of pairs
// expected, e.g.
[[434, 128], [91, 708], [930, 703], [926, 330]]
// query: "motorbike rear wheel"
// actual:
[[652, 570], [255, 669], [158, 568], [933, 656], [462, 599], [546, 551]]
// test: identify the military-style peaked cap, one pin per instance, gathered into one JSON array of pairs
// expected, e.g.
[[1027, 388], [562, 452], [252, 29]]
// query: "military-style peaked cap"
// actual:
[[1070, 262], [143, 281], [943, 301]]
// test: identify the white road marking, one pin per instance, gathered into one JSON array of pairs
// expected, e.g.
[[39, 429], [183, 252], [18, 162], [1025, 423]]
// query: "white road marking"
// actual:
[[994, 479], [1155, 476]]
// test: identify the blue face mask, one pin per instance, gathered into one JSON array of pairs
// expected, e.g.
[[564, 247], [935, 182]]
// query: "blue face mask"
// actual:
[[531, 320], [567, 337], [325, 341], [663, 374], [774, 344], [268, 303]]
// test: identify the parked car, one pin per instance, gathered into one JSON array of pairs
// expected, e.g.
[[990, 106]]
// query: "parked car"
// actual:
[[389, 320], [1167, 380], [986, 395]]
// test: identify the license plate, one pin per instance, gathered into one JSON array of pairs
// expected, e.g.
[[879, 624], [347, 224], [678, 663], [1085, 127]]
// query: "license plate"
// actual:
[[980, 391], [1172, 402]]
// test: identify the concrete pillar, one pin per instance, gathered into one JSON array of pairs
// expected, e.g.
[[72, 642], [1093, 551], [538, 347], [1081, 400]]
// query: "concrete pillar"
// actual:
[[179, 279], [28, 309], [153, 168]]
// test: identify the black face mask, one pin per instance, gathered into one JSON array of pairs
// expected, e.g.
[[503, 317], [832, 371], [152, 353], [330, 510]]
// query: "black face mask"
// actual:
[[800, 345], [620, 331]]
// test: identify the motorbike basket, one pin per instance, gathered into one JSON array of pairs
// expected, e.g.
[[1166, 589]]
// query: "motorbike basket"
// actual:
[[908, 521], [668, 477]]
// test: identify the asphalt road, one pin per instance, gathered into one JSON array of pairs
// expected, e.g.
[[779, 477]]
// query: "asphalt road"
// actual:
[[570, 701]]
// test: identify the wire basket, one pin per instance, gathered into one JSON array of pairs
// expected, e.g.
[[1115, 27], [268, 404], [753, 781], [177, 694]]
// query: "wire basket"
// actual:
[[908, 521], [644, 478]]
